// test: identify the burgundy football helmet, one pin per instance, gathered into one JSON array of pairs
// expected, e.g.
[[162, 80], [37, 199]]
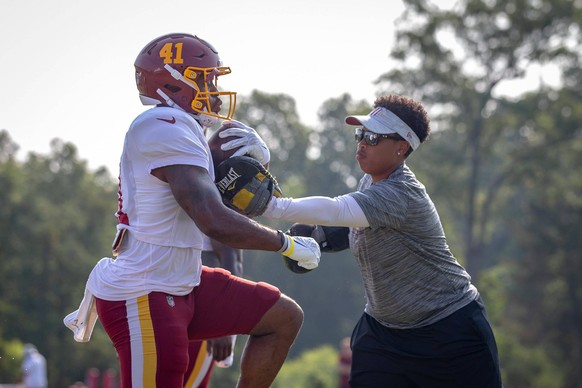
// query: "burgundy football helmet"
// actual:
[[182, 70]]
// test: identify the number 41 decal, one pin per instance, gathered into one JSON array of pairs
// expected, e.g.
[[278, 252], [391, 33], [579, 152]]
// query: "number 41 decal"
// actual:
[[167, 52]]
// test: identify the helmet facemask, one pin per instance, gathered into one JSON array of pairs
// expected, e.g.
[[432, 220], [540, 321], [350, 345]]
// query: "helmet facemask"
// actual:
[[202, 102]]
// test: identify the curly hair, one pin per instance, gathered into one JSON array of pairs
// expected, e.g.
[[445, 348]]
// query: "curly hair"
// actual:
[[408, 110]]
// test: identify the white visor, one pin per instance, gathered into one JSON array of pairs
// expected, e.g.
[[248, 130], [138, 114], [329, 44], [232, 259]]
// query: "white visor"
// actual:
[[384, 122]]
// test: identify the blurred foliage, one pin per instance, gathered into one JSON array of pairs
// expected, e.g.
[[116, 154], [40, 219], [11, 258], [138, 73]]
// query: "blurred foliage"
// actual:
[[11, 356], [56, 221], [313, 368], [503, 172], [456, 60], [316, 368]]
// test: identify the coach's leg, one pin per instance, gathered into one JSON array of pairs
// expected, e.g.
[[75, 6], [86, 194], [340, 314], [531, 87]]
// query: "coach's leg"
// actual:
[[269, 342]]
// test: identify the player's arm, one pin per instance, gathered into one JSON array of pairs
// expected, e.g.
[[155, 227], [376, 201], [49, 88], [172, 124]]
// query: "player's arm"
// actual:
[[196, 193]]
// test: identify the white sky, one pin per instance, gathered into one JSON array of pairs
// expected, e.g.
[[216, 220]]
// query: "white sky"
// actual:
[[67, 65]]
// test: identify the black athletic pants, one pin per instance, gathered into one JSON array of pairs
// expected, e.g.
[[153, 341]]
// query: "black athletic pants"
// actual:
[[457, 351]]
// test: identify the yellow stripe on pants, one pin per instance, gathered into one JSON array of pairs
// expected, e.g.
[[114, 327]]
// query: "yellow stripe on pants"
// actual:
[[150, 357]]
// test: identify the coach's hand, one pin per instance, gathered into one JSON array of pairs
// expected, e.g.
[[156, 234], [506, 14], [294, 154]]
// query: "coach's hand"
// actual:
[[329, 238], [304, 250]]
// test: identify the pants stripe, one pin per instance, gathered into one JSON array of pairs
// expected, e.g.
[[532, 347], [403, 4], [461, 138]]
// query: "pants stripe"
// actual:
[[201, 366], [143, 345]]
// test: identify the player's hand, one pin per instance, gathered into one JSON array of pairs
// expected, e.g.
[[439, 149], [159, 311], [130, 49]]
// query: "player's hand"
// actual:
[[248, 140], [304, 250], [220, 348]]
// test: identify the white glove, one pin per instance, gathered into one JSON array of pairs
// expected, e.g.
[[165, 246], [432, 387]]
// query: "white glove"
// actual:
[[304, 250], [248, 139]]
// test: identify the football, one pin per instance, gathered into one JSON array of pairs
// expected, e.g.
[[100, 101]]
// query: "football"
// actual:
[[214, 143]]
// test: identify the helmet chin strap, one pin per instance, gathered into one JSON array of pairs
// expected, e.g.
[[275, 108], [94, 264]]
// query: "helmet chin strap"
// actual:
[[205, 120], [168, 100]]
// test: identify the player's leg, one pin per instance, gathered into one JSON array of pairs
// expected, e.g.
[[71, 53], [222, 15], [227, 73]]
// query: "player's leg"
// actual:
[[227, 305], [200, 365], [150, 336], [269, 343]]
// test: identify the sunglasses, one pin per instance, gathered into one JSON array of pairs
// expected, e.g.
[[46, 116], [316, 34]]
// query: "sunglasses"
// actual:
[[373, 138]]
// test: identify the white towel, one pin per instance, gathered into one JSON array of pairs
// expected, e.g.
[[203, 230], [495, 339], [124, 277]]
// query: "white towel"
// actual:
[[82, 321]]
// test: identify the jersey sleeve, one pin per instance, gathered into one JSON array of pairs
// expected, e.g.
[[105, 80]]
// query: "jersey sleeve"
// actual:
[[167, 144]]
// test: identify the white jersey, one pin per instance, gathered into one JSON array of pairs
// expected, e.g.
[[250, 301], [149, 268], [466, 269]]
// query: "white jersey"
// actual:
[[162, 247]]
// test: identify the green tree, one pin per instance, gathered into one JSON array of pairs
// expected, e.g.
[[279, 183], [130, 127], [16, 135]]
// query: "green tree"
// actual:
[[302, 173], [56, 222], [316, 368], [332, 148], [11, 355], [545, 215], [454, 61], [502, 170]]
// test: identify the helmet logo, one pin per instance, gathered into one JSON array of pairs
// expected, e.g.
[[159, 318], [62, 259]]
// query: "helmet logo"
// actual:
[[167, 52]]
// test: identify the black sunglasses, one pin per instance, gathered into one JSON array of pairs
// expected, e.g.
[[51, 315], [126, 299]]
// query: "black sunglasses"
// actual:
[[373, 138]]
